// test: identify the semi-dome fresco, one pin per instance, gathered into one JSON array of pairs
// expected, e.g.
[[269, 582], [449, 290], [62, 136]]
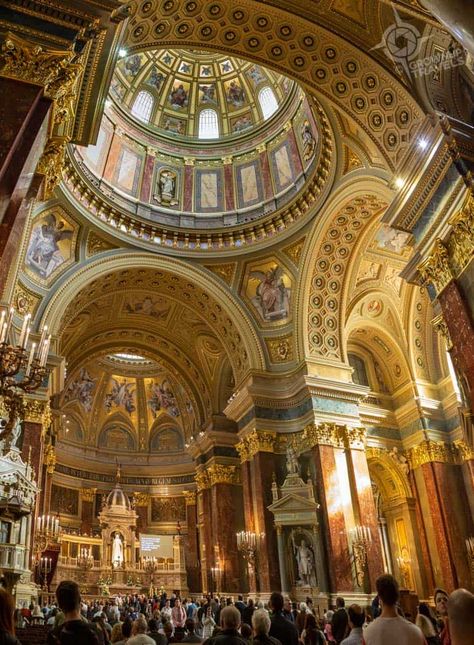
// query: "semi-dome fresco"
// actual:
[[197, 140]]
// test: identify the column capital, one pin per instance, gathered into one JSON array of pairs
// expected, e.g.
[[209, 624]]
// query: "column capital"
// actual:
[[87, 494], [441, 327], [331, 434], [141, 499], [190, 497], [217, 474], [439, 451], [37, 411], [255, 442], [436, 269], [50, 459]]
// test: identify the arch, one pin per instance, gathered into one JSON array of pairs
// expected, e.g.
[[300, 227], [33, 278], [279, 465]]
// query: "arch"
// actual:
[[143, 106], [359, 375], [208, 124], [228, 319], [268, 102], [388, 475], [166, 437], [294, 45], [116, 435]]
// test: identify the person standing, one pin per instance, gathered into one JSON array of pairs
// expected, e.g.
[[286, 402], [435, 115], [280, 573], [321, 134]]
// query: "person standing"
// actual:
[[340, 621], [390, 628], [7, 628], [441, 605], [461, 617], [356, 617], [74, 630], [230, 622], [281, 628]]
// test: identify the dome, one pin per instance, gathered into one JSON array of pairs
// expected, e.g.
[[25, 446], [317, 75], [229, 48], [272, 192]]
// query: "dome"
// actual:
[[117, 499]]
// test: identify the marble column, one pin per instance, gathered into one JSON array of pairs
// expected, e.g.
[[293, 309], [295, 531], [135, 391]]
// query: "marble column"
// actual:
[[453, 15], [191, 543], [282, 561], [205, 539], [87, 509]]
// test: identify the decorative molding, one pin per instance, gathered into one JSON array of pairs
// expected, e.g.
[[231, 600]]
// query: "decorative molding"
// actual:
[[50, 459], [294, 251], [280, 349], [97, 244], [141, 499], [51, 164], [37, 411], [24, 300], [352, 161], [461, 241], [440, 326], [87, 494], [190, 497], [254, 443], [217, 474], [224, 271]]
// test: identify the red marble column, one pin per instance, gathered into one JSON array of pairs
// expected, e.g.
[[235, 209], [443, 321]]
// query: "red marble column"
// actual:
[[262, 468], [191, 546], [23, 134], [205, 535], [229, 187], [266, 175], [226, 505], [295, 154], [112, 159], [188, 188], [142, 519], [461, 330], [87, 516], [146, 187], [32, 450], [423, 536], [367, 513], [334, 530]]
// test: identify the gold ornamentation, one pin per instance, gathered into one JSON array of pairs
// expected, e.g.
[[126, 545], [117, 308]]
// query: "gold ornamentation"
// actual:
[[436, 268], [280, 349], [51, 164], [50, 459], [24, 300], [88, 494], [294, 251], [37, 411], [439, 451], [352, 161], [141, 499], [97, 244], [465, 452], [190, 497], [440, 326], [220, 474], [202, 480], [461, 240], [224, 271], [331, 434], [254, 443]]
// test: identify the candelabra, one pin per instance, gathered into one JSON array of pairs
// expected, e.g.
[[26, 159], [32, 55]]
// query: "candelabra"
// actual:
[[22, 370], [360, 538], [85, 559], [248, 544], [150, 564], [216, 573], [44, 567], [47, 532]]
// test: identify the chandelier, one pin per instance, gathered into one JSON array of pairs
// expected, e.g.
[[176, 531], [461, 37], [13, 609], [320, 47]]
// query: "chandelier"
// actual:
[[47, 532], [22, 368], [85, 559], [248, 544]]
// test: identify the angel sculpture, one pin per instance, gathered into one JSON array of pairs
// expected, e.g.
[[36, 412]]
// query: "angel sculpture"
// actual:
[[43, 253], [272, 297], [120, 394]]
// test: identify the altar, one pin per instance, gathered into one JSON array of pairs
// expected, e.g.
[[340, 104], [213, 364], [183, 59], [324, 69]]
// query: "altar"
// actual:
[[112, 562]]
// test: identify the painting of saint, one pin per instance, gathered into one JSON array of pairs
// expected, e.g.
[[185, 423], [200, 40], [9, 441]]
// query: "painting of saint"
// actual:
[[117, 89], [241, 123], [131, 65], [50, 245], [161, 397], [235, 94], [147, 306], [156, 79], [255, 73], [121, 394], [207, 94], [174, 126], [82, 389], [309, 143], [178, 97], [272, 296], [166, 187]]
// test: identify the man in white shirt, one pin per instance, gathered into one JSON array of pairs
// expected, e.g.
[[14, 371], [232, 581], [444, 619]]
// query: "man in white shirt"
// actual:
[[390, 628]]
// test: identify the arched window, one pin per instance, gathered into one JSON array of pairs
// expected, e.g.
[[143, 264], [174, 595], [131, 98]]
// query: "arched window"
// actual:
[[268, 102], [208, 125], [359, 375], [142, 106]]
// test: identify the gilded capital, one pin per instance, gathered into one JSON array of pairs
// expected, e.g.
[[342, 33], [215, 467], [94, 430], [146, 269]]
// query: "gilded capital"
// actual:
[[190, 497], [331, 434], [461, 241], [220, 474], [432, 451], [37, 411], [50, 459], [440, 326], [254, 443], [88, 494], [436, 268], [202, 480], [51, 164]]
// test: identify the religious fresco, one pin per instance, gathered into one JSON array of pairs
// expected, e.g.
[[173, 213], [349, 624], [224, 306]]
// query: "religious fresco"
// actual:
[[173, 125], [178, 98], [282, 166], [235, 94], [147, 305], [121, 394], [71, 430], [131, 65], [389, 239], [64, 500], [82, 389], [116, 438], [209, 190], [256, 75], [167, 440], [168, 509], [241, 123], [208, 94], [249, 183], [268, 287], [155, 79], [51, 245], [160, 397]]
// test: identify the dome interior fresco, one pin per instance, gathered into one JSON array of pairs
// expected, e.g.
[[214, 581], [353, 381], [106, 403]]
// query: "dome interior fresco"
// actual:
[[182, 84]]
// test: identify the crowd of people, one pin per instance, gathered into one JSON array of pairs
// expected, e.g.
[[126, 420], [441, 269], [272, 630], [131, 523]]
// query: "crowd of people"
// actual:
[[140, 620]]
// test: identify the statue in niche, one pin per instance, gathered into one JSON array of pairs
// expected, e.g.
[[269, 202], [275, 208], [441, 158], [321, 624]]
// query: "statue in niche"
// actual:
[[305, 561], [292, 465], [166, 188], [309, 143], [117, 551]]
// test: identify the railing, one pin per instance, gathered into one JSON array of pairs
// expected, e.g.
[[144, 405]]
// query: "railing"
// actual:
[[67, 561], [12, 556]]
